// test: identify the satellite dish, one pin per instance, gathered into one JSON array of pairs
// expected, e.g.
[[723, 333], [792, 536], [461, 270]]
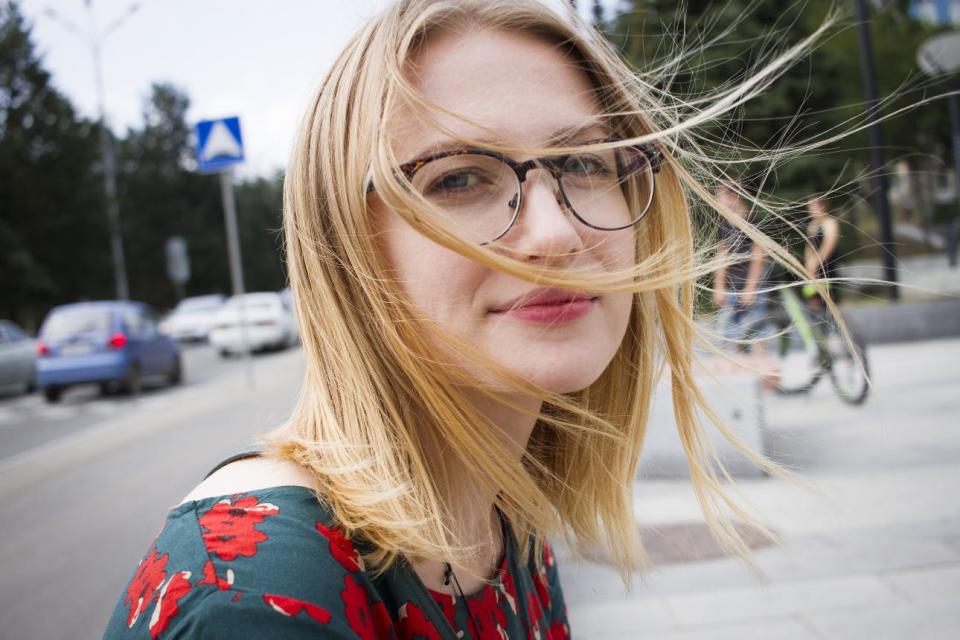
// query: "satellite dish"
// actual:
[[940, 55]]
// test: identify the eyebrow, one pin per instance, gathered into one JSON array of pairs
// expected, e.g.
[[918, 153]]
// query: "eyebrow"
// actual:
[[556, 138]]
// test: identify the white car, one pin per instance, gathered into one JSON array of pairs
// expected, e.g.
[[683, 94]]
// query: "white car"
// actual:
[[268, 322], [193, 318]]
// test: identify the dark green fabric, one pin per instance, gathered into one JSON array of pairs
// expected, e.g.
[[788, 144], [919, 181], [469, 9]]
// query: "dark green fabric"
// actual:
[[272, 563]]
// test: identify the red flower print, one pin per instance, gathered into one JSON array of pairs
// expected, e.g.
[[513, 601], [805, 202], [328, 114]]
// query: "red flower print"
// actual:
[[231, 527], [293, 607], [541, 582], [558, 631], [341, 548], [144, 584], [414, 625], [166, 609], [368, 621], [448, 605], [535, 613], [508, 589], [210, 577], [488, 616], [543, 589]]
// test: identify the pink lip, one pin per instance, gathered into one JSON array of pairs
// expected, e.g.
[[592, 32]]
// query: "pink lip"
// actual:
[[548, 306]]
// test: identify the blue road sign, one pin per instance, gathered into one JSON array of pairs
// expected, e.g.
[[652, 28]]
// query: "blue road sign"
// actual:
[[219, 144]]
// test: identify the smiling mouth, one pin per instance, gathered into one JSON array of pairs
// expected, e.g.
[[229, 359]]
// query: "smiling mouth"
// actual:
[[549, 307]]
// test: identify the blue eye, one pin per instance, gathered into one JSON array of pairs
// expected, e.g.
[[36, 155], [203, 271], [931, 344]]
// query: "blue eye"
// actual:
[[587, 165], [459, 181], [454, 181]]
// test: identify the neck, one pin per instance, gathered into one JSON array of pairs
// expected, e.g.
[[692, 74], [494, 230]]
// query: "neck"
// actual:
[[472, 504]]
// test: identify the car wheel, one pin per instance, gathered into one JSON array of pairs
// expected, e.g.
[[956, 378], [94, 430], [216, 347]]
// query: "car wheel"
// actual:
[[133, 383], [52, 393], [224, 353], [176, 373]]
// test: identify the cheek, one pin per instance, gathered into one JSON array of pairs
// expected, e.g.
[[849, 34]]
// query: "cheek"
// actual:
[[439, 283], [615, 250]]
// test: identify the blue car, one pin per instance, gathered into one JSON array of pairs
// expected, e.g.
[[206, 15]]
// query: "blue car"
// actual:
[[114, 344]]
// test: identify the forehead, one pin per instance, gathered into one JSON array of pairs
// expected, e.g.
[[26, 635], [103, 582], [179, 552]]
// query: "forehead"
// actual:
[[502, 87]]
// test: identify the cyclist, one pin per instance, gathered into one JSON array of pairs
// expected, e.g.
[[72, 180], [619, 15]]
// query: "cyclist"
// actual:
[[738, 287], [820, 259]]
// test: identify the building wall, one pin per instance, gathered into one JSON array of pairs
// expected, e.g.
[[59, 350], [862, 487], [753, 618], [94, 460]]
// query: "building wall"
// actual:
[[937, 11]]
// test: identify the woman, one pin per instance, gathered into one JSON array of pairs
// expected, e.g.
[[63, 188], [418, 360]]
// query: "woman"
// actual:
[[819, 259], [492, 259]]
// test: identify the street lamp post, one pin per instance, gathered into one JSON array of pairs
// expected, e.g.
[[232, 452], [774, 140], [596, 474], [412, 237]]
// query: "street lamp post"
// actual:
[[94, 39], [878, 178], [939, 57]]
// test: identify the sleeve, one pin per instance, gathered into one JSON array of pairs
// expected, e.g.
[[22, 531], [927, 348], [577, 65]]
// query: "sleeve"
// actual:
[[251, 567]]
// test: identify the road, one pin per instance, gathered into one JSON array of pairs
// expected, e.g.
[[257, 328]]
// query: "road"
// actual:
[[79, 507], [78, 511], [28, 421]]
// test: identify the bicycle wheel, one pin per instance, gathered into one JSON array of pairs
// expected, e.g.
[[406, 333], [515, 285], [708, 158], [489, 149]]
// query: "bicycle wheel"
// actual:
[[799, 364], [849, 369], [798, 367]]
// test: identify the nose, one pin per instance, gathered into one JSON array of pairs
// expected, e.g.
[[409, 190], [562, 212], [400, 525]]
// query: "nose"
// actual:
[[545, 231]]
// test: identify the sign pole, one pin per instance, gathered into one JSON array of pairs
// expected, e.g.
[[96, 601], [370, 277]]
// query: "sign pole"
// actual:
[[219, 147], [236, 266]]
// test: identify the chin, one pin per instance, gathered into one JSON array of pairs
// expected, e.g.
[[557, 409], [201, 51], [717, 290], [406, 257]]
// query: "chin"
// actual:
[[565, 375]]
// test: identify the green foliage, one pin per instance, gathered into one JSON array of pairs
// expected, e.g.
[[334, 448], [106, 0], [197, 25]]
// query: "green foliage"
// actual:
[[819, 96], [54, 240], [160, 196], [259, 204], [53, 233]]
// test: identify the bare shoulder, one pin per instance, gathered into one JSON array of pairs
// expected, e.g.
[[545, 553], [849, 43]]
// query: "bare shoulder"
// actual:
[[251, 474]]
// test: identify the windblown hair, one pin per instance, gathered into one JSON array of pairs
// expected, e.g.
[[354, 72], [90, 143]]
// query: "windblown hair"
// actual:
[[378, 393]]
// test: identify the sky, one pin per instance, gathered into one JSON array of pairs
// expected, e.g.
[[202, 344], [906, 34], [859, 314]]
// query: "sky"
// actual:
[[257, 59]]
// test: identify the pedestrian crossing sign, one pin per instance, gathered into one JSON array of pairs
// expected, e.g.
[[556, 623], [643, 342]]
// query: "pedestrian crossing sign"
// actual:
[[219, 144]]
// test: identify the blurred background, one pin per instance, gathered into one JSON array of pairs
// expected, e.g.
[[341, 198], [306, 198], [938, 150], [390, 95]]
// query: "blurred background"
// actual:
[[129, 365]]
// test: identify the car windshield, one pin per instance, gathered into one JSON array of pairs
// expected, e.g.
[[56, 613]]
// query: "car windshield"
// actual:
[[255, 301], [70, 322], [198, 305]]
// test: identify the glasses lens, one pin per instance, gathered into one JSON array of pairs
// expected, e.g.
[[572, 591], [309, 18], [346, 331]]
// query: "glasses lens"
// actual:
[[609, 189], [477, 193]]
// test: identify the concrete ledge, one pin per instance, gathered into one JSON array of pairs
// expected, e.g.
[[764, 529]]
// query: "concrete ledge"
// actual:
[[906, 322], [737, 400]]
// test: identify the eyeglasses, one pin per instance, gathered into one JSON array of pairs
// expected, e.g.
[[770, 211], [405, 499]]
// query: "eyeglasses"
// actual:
[[481, 191]]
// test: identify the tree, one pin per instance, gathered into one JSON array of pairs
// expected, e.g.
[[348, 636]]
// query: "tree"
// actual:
[[259, 203], [54, 240], [161, 197], [54, 245], [819, 94]]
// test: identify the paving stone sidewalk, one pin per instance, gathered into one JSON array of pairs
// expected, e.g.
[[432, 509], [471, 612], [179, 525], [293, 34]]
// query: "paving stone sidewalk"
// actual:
[[873, 551]]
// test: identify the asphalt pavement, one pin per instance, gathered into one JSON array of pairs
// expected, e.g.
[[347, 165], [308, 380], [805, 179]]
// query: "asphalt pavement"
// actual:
[[28, 421], [874, 552], [78, 512]]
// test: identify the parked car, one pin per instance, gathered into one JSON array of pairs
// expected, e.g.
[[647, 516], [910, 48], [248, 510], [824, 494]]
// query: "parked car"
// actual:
[[114, 344], [267, 320], [18, 354], [286, 295], [193, 318]]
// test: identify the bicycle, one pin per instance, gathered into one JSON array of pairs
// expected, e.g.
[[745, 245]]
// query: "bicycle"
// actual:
[[808, 343]]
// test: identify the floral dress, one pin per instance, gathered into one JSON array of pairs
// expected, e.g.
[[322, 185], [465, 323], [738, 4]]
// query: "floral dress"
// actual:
[[272, 563]]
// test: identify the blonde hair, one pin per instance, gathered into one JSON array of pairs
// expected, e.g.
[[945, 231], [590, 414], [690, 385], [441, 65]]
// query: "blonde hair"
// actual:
[[376, 394]]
